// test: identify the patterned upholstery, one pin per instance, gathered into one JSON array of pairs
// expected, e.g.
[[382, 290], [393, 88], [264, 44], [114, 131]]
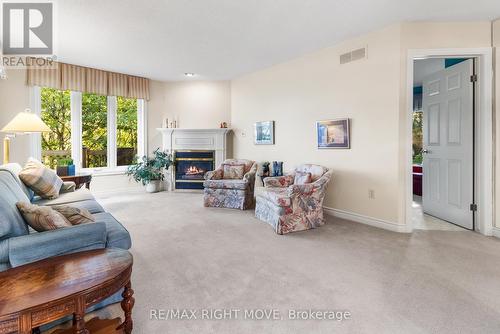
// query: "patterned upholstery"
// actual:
[[230, 193], [291, 207]]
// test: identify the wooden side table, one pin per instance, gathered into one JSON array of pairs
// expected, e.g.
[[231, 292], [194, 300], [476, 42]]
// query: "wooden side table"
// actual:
[[41, 292], [80, 179]]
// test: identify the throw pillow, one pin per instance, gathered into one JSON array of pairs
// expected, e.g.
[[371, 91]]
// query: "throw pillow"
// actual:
[[231, 172], [302, 178], [41, 218], [42, 180], [75, 216]]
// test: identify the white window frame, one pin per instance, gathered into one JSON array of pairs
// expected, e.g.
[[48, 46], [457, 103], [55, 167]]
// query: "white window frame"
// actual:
[[76, 131]]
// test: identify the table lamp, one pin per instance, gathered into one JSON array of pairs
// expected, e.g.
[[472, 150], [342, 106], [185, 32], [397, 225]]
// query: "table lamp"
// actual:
[[24, 123]]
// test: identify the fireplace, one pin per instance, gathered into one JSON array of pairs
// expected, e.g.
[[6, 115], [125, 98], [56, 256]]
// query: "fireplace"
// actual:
[[191, 166]]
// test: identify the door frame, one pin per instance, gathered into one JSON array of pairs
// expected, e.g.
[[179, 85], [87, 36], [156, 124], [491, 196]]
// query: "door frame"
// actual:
[[483, 148]]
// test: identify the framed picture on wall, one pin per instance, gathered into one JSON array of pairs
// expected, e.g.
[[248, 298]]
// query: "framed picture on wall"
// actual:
[[264, 133], [334, 133]]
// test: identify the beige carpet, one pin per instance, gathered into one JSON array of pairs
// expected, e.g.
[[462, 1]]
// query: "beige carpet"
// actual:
[[190, 257]]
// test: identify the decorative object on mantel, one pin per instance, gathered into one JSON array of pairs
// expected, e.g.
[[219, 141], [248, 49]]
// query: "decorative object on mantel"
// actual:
[[277, 168], [149, 170], [223, 125], [264, 133], [334, 133], [173, 124]]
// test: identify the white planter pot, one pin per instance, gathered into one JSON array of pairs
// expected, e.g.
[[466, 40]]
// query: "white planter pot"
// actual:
[[153, 186]]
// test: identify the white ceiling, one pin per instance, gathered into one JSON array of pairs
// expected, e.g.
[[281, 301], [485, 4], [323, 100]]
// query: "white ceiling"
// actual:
[[223, 39]]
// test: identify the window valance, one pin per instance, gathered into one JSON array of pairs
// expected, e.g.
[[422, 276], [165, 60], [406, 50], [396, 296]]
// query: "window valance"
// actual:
[[87, 80]]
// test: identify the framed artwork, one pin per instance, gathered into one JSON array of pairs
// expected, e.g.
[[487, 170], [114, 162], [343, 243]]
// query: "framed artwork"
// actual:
[[334, 133], [264, 133]]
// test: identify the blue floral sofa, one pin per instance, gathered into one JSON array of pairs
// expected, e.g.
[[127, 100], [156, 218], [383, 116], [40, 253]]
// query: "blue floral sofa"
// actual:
[[230, 193], [290, 207]]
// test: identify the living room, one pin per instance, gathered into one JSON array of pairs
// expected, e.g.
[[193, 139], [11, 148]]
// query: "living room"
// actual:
[[267, 139]]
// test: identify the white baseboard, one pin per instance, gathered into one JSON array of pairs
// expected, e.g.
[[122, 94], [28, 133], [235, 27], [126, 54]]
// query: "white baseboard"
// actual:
[[375, 222], [495, 232]]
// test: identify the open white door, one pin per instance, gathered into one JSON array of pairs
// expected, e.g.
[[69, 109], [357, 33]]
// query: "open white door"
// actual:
[[448, 130]]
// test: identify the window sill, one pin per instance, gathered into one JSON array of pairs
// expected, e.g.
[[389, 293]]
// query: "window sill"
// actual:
[[105, 171]]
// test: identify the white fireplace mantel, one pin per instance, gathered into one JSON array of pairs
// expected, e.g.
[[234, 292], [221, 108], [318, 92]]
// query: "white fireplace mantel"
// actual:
[[175, 139]]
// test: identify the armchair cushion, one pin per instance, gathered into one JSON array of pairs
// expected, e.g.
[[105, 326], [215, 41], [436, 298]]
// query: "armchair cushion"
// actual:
[[316, 171], [226, 184], [214, 174], [277, 196], [233, 172], [37, 246], [302, 178], [247, 163], [279, 181]]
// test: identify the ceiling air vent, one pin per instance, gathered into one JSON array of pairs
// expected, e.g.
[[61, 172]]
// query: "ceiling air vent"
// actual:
[[353, 55]]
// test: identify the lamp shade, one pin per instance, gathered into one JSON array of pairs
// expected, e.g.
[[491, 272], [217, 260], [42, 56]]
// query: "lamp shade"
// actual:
[[26, 122]]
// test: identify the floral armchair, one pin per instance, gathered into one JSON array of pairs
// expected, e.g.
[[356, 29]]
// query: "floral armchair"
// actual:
[[290, 207], [230, 193]]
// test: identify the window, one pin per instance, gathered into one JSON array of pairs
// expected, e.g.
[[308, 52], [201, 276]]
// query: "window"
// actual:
[[126, 131], [417, 137], [55, 111], [94, 131]]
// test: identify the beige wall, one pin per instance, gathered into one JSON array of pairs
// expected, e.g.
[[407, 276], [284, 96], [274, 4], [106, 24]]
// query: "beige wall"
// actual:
[[496, 44], [14, 98], [371, 92], [317, 87], [194, 104]]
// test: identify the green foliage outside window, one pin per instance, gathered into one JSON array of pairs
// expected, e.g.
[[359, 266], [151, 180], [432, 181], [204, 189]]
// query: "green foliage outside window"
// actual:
[[126, 130], [56, 113], [417, 137]]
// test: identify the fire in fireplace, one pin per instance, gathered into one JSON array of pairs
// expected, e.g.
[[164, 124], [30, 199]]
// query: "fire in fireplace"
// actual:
[[191, 167], [193, 171]]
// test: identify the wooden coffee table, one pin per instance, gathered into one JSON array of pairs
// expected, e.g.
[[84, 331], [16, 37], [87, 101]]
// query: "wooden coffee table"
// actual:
[[80, 179], [43, 291]]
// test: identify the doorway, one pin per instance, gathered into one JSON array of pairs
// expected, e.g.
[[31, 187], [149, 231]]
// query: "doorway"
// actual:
[[443, 143], [454, 156]]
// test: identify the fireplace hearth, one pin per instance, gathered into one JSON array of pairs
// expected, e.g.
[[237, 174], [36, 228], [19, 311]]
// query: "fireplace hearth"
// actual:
[[191, 166]]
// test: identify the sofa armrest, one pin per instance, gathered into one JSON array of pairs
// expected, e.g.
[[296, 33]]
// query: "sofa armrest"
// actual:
[[37, 246], [68, 187], [278, 181]]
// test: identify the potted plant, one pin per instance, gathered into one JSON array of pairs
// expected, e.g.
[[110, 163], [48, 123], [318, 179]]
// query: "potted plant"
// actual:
[[149, 170], [65, 167]]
